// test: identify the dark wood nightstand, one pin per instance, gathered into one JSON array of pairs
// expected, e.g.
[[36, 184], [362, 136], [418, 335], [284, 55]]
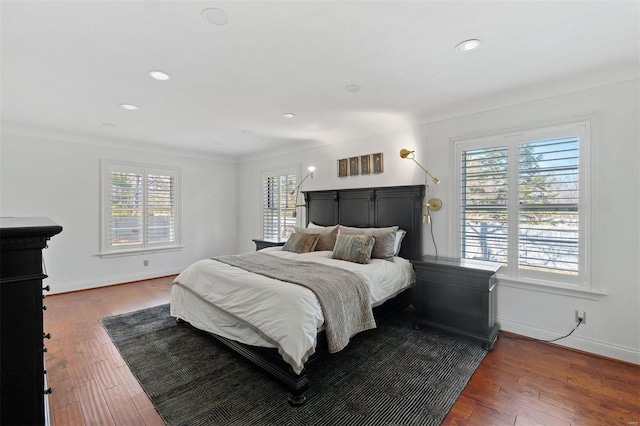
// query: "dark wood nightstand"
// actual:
[[260, 244], [458, 295]]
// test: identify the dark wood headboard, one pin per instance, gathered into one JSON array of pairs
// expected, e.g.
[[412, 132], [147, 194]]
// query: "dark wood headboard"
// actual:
[[372, 207]]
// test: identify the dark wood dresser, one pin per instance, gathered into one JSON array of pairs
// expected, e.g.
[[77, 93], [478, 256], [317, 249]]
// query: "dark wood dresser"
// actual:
[[23, 390], [458, 295]]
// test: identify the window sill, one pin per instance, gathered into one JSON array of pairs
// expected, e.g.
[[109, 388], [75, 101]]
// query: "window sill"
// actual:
[[550, 287], [135, 252]]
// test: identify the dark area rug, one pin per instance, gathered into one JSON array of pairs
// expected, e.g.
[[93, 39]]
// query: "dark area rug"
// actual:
[[392, 375]]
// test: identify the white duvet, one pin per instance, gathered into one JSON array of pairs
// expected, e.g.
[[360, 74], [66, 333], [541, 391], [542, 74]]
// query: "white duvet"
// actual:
[[260, 311]]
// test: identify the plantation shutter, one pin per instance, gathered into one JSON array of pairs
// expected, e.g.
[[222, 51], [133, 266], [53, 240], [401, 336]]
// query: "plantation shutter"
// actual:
[[548, 233], [126, 209], [271, 211], [484, 203], [523, 202], [278, 211], [161, 208], [140, 207]]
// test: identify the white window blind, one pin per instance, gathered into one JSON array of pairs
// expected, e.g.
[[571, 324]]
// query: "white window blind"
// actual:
[[484, 204], [549, 206], [278, 212], [140, 207], [523, 202]]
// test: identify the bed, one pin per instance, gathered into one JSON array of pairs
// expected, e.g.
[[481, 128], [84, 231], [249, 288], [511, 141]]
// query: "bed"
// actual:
[[281, 327]]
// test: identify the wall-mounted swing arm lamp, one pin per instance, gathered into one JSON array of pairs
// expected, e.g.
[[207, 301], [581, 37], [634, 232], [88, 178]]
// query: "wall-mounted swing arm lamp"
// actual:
[[433, 204], [296, 191]]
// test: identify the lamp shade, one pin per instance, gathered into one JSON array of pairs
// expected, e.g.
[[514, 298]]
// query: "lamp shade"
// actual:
[[405, 153]]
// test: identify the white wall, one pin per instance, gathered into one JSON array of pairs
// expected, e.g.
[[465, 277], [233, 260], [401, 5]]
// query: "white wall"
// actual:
[[60, 179], [613, 321]]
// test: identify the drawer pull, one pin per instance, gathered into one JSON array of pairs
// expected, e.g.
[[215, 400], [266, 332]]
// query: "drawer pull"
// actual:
[[44, 349], [46, 336], [47, 288], [44, 308], [48, 391]]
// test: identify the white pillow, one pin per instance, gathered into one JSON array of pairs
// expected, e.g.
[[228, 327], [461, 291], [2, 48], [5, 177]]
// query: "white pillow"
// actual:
[[400, 233]]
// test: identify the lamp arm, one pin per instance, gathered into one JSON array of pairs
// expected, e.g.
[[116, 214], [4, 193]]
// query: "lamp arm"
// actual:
[[429, 203], [425, 170], [297, 188]]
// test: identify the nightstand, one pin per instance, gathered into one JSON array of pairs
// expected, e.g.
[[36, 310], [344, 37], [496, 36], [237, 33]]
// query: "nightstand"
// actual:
[[260, 244], [458, 295]]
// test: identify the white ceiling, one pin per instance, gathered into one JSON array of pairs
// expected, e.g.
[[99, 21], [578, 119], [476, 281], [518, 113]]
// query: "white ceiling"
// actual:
[[68, 65]]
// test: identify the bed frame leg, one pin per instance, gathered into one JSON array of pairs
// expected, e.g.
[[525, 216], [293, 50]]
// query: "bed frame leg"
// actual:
[[297, 400]]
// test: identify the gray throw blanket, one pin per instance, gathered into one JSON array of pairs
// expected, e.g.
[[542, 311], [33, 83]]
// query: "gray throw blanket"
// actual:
[[343, 296]]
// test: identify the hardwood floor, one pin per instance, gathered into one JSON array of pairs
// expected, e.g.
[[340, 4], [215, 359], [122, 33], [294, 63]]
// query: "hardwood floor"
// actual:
[[518, 383], [91, 383]]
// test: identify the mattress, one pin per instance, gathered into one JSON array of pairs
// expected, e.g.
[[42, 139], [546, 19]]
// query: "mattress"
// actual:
[[261, 311]]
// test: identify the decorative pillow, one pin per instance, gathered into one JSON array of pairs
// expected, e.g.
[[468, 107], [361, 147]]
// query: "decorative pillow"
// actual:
[[301, 243], [385, 239], [327, 234], [353, 248], [397, 244]]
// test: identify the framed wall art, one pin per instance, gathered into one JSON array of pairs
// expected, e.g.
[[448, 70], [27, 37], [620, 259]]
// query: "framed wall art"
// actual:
[[365, 164], [378, 163], [343, 167], [360, 165], [353, 166]]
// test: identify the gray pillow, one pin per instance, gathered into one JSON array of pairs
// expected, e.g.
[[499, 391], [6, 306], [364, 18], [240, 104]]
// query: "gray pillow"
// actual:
[[301, 243], [384, 247], [327, 235], [353, 248]]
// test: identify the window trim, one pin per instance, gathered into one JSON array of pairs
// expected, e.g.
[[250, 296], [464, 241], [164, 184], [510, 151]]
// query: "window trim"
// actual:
[[105, 250], [548, 282]]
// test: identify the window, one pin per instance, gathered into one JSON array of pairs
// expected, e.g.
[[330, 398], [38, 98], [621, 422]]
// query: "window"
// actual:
[[139, 207], [279, 203], [523, 202]]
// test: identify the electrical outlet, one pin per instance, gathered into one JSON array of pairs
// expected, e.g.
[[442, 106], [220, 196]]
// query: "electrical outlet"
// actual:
[[146, 263], [581, 315]]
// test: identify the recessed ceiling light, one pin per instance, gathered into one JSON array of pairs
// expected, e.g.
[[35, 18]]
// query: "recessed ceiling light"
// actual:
[[215, 16], [246, 132], [109, 125], [288, 115], [353, 88], [129, 107], [159, 75], [467, 45]]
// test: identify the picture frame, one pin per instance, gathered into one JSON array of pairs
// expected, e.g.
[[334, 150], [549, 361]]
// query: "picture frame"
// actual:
[[365, 164], [343, 167], [354, 168], [378, 163]]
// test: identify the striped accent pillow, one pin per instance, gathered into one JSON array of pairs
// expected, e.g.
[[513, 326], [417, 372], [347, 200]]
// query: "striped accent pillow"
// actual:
[[384, 247], [353, 248]]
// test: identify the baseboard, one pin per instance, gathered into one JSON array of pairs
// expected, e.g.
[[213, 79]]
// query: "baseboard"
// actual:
[[57, 288], [622, 353]]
